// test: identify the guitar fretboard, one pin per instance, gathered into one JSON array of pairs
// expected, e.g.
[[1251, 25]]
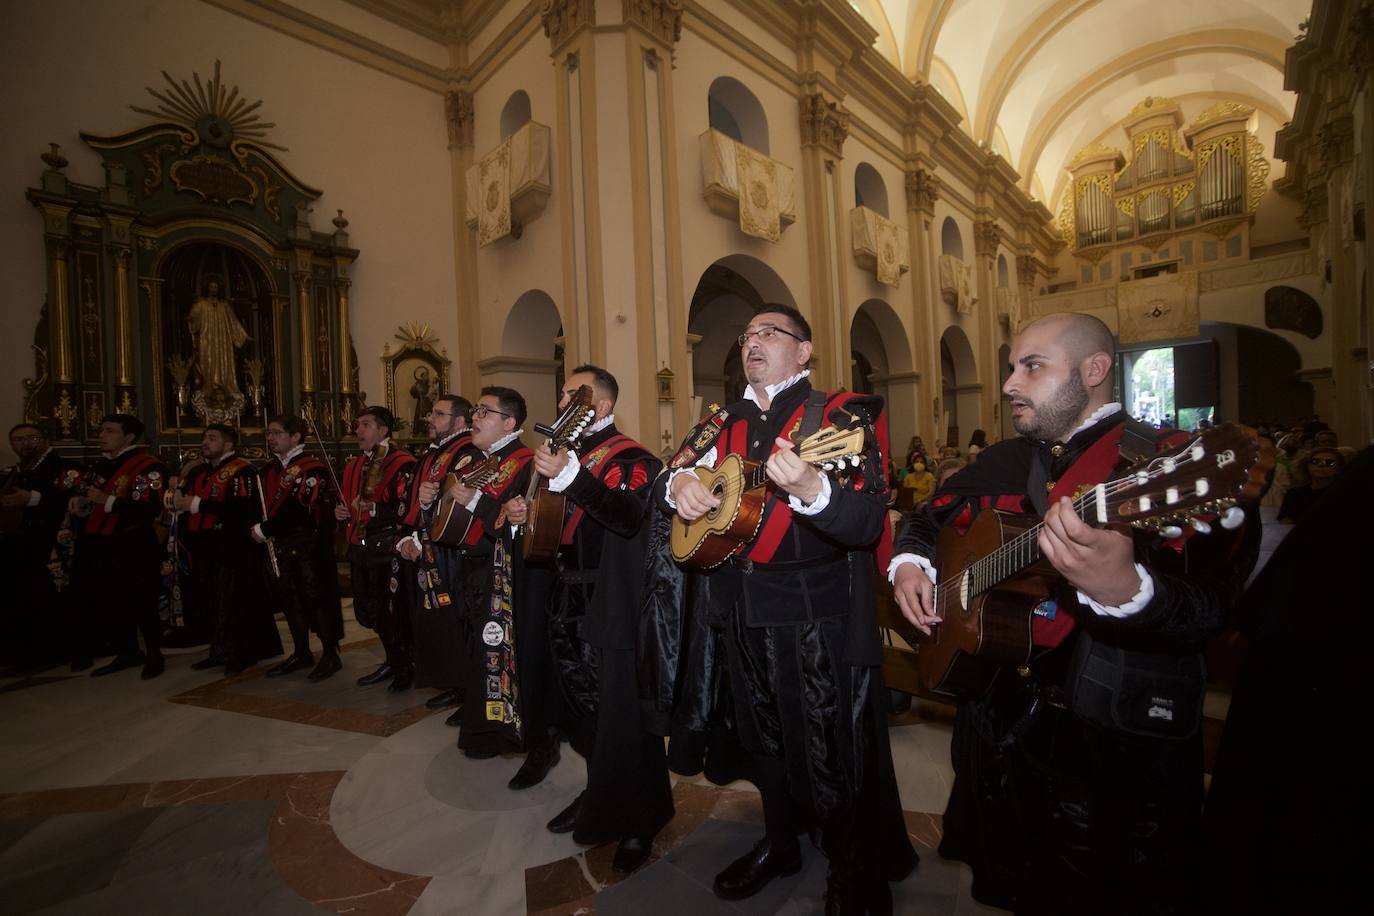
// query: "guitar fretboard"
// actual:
[[1018, 553]]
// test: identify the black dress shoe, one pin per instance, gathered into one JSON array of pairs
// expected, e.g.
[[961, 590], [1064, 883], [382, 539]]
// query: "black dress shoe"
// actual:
[[565, 820], [632, 852], [329, 666], [383, 673], [81, 664], [402, 681], [119, 663], [455, 718], [205, 664], [442, 700], [537, 764], [154, 666], [750, 873], [292, 663]]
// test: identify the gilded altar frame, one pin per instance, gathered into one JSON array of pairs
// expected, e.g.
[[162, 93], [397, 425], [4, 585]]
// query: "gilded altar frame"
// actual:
[[401, 369], [200, 181]]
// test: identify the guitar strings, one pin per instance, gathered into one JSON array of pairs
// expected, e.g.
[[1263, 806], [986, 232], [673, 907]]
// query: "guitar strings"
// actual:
[[1155, 469]]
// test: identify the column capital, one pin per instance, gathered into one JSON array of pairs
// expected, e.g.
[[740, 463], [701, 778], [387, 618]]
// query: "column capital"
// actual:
[[922, 191], [563, 18], [824, 123], [660, 18], [458, 114], [987, 235]]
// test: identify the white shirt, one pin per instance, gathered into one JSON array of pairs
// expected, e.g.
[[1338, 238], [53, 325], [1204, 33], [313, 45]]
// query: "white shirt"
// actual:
[[289, 456], [565, 477]]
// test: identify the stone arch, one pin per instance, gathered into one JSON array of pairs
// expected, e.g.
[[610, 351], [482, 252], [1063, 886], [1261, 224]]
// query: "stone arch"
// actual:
[[951, 239], [736, 112], [869, 189], [959, 388], [727, 295], [878, 338], [531, 354], [1003, 272], [516, 113]]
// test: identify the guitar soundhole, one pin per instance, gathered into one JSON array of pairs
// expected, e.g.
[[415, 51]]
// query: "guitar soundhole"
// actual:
[[718, 491]]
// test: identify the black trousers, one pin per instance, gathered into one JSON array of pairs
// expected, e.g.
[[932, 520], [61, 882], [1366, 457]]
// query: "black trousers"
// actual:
[[307, 592], [115, 592], [628, 791], [1056, 816], [379, 603]]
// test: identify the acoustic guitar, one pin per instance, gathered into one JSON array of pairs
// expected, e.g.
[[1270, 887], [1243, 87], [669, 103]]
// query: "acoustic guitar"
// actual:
[[742, 488], [452, 521], [543, 529], [993, 577]]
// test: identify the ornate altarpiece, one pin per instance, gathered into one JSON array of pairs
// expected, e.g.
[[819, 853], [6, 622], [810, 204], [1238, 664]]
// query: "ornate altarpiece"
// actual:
[[190, 288]]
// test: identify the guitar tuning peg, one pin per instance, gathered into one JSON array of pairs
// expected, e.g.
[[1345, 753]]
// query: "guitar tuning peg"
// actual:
[[1232, 518], [1172, 532], [854, 461], [828, 466], [1200, 526]]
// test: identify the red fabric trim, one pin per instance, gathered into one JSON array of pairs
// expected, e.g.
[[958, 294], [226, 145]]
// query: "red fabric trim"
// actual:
[[619, 444], [102, 523]]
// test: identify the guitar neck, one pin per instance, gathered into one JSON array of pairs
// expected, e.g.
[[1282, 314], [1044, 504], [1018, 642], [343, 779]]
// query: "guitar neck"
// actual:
[[1018, 553]]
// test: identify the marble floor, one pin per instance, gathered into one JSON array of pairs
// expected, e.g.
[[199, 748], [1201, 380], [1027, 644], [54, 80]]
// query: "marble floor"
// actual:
[[197, 793]]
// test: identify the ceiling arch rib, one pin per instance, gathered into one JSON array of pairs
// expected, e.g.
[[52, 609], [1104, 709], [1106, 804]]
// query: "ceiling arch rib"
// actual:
[[1255, 45], [995, 88], [930, 17]]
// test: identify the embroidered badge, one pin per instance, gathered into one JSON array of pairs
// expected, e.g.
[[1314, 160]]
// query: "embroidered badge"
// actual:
[[494, 712], [492, 633]]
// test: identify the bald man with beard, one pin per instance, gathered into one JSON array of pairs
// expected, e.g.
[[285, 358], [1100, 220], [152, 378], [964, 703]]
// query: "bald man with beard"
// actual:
[[1055, 813]]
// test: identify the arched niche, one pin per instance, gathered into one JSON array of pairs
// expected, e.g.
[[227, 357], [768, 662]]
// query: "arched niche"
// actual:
[[728, 293], [877, 338], [1003, 272], [869, 189], [531, 354], [516, 113], [951, 240], [959, 388], [736, 112]]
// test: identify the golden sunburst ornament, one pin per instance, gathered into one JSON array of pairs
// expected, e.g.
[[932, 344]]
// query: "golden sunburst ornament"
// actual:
[[417, 334], [217, 114]]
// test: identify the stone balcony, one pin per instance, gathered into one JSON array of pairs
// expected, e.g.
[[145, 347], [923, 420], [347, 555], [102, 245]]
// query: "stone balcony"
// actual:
[[509, 186], [768, 204]]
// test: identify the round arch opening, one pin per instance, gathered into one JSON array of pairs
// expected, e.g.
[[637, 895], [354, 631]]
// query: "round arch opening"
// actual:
[[736, 112], [516, 113], [869, 189]]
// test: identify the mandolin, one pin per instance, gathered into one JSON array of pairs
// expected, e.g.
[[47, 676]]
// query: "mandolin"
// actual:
[[543, 529], [452, 521], [993, 577], [742, 488]]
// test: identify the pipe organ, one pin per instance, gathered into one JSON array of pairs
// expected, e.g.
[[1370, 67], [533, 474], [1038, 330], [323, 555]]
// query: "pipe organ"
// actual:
[[1210, 176]]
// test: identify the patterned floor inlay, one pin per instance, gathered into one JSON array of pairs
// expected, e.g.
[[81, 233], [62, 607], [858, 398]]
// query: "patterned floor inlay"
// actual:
[[337, 703], [270, 833]]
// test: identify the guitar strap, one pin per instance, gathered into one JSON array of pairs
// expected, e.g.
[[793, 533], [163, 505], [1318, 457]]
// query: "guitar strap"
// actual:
[[1130, 442]]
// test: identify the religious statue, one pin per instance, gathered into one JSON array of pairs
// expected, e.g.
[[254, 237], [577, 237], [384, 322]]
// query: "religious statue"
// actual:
[[423, 393], [216, 334]]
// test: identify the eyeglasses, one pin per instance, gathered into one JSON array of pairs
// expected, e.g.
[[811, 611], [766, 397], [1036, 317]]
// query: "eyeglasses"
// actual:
[[766, 333], [1322, 462], [439, 413], [481, 410]]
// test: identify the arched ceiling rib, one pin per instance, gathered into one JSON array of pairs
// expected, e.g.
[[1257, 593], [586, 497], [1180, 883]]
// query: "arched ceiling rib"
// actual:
[[1024, 71]]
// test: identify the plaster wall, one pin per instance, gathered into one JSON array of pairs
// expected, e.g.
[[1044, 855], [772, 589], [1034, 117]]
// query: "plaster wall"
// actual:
[[375, 144]]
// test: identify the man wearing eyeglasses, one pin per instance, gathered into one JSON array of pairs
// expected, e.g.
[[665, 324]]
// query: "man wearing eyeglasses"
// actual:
[[432, 572], [490, 719], [796, 615], [33, 508], [375, 487]]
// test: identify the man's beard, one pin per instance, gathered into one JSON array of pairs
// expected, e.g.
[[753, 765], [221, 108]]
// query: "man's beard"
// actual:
[[1056, 418]]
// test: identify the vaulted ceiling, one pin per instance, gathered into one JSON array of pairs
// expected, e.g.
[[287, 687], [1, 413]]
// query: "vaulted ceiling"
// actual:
[[1037, 80]]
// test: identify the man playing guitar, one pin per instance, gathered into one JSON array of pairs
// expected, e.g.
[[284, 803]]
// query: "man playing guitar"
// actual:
[[1055, 811]]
